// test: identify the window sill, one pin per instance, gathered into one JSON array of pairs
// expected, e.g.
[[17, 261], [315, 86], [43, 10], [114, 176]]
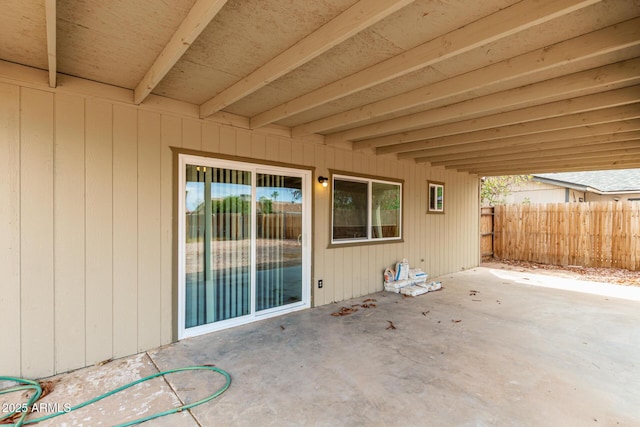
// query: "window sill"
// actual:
[[363, 243]]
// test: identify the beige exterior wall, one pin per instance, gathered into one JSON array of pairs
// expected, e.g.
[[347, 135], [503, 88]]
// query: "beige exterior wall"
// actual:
[[538, 192], [86, 222], [623, 197]]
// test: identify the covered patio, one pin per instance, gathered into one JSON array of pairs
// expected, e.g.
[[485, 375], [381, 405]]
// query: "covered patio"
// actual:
[[491, 348], [109, 109]]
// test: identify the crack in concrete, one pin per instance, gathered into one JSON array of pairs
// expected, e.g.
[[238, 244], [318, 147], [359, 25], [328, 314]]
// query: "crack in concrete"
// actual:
[[175, 392]]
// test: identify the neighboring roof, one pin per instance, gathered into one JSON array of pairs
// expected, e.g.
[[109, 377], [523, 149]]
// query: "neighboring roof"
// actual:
[[612, 181], [492, 87]]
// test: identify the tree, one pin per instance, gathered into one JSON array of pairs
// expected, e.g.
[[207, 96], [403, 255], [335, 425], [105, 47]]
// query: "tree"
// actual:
[[389, 200], [266, 206], [495, 189], [231, 204]]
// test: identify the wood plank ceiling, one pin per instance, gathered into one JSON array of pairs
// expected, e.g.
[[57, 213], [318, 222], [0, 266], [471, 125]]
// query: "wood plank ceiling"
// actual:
[[486, 87]]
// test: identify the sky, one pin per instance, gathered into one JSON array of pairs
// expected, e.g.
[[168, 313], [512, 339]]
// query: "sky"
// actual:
[[195, 192]]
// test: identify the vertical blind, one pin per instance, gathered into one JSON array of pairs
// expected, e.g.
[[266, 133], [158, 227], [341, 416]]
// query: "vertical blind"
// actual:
[[278, 241], [269, 280], [220, 207], [218, 244]]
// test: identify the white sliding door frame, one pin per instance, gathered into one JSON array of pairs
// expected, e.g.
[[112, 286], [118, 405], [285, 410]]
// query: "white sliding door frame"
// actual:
[[254, 169]]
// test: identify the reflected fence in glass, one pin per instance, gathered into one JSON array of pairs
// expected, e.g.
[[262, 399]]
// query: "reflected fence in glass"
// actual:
[[218, 244], [219, 213], [278, 241]]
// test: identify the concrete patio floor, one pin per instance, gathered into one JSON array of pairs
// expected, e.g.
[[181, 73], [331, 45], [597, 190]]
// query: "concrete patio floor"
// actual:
[[509, 354]]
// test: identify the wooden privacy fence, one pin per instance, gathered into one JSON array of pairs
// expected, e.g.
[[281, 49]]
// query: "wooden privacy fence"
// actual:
[[236, 226], [596, 234]]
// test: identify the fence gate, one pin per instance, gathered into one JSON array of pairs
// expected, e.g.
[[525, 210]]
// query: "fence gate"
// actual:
[[486, 233]]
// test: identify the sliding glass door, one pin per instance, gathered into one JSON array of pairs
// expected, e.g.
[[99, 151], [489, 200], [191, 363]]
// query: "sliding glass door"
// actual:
[[217, 244], [243, 250], [279, 253]]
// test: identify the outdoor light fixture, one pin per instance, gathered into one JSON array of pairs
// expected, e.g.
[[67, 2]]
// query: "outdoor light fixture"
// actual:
[[323, 180]]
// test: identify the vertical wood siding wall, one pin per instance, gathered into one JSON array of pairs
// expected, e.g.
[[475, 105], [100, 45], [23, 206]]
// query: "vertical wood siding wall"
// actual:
[[86, 244]]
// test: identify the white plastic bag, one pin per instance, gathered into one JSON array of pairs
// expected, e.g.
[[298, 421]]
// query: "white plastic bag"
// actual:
[[415, 273], [389, 275], [402, 270], [413, 290]]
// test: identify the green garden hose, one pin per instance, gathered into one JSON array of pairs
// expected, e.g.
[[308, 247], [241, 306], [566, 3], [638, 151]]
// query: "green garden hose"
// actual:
[[24, 384]]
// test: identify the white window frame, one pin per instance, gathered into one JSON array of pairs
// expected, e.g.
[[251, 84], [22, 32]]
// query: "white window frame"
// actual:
[[435, 185], [369, 238]]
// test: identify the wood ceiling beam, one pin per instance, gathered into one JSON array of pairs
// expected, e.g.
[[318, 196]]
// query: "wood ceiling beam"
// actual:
[[508, 21], [552, 169], [576, 157], [558, 136], [562, 166], [561, 54], [524, 116], [622, 146], [350, 22], [558, 166], [198, 18], [538, 127], [595, 143], [626, 72], [50, 18]]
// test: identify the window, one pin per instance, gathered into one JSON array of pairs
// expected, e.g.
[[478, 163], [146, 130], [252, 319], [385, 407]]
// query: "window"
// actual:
[[436, 197], [365, 210]]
